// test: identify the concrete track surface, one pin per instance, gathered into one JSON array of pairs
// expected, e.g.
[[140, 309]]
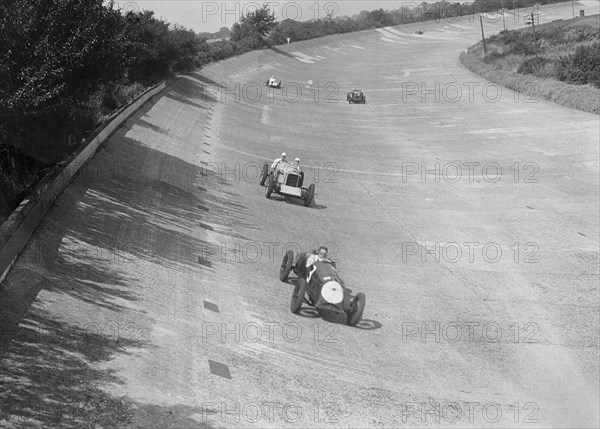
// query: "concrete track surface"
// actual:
[[149, 297]]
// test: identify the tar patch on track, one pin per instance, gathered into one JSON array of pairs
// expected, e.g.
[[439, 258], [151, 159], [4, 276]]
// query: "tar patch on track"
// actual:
[[210, 306], [219, 369]]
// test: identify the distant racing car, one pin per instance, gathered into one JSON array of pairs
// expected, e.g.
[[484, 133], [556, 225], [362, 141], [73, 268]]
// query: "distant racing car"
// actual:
[[286, 181], [273, 85], [321, 287], [356, 96]]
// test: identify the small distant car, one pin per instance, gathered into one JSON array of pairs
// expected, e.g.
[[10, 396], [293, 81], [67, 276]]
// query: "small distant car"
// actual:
[[286, 181], [419, 31], [321, 287], [356, 96], [273, 85]]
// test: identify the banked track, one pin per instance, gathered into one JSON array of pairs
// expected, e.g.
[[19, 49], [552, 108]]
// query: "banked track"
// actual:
[[121, 299]]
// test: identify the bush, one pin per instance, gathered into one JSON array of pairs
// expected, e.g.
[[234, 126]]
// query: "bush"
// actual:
[[523, 47], [532, 65], [581, 67]]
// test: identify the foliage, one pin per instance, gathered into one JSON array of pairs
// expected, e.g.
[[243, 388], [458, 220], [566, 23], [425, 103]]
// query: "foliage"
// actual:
[[581, 67]]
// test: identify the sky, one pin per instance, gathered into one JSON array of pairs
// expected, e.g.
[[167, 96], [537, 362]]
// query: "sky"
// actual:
[[210, 16]]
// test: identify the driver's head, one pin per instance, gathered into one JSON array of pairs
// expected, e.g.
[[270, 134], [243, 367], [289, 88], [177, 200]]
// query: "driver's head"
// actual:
[[297, 161], [283, 155], [322, 252]]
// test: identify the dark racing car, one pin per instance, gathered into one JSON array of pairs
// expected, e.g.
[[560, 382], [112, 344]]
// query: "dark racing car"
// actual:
[[356, 96], [320, 286]]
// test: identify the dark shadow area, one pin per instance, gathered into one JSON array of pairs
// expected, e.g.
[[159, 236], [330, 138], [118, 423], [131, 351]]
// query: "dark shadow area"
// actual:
[[199, 91], [280, 52], [48, 378], [368, 325], [314, 205], [152, 127], [174, 95], [130, 204], [309, 312], [204, 79]]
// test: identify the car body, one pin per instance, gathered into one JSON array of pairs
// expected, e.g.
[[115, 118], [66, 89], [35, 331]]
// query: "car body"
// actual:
[[356, 96], [287, 181], [321, 287], [276, 85]]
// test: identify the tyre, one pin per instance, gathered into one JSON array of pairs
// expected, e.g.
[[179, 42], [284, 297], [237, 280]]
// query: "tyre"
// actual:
[[286, 265], [309, 195], [298, 296], [269, 188], [264, 173], [356, 309]]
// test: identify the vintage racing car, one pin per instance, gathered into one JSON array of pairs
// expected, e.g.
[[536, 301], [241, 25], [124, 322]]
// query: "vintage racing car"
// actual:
[[273, 85], [320, 286], [356, 96], [286, 181]]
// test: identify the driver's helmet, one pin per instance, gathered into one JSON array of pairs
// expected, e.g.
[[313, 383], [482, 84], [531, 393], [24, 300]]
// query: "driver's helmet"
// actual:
[[297, 160], [283, 155]]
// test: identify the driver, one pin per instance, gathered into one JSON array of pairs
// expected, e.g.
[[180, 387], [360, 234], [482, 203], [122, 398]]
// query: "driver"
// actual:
[[278, 163], [297, 165], [316, 256], [279, 160], [272, 80]]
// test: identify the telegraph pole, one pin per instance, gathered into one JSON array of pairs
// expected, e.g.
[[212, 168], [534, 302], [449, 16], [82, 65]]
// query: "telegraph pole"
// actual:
[[482, 35], [534, 38], [503, 21], [573, 5]]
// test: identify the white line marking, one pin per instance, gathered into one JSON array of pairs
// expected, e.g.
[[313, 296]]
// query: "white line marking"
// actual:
[[264, 118]]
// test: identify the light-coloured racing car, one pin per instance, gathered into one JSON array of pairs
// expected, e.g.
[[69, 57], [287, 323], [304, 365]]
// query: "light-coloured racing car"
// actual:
[[286, 180]]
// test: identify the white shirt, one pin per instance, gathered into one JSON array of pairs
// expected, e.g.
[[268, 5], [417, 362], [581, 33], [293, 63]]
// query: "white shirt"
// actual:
[[312, 259], [277, 161]]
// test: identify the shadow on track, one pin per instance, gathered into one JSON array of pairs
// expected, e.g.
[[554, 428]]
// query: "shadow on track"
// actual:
[[124, 207]]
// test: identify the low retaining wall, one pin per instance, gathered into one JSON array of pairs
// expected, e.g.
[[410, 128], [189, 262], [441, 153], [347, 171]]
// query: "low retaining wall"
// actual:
[[16, 231]]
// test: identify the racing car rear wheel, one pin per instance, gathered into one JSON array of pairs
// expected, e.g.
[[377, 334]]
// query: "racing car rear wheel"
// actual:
[[298, 296], [309, 195], [269, 188], [286, 266], [264, 173], [356, 309]]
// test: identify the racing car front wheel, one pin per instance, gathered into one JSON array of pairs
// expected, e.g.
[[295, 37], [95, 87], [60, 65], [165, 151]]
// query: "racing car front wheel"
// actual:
[[309, 195], [298, 296], [356, 309], [286, 265], [269, 188], [264, 173]]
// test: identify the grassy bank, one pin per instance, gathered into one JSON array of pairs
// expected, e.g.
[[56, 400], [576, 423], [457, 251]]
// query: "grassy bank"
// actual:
[[566, 70]]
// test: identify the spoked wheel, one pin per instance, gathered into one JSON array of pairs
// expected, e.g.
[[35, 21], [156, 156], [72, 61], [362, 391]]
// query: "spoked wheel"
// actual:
[[309, 195], [269, 188], [357, 307], [264, 173], [286, 265], [298, 296]]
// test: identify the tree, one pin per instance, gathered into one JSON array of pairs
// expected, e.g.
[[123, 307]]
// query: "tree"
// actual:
[[57, 50], [254, 26]]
